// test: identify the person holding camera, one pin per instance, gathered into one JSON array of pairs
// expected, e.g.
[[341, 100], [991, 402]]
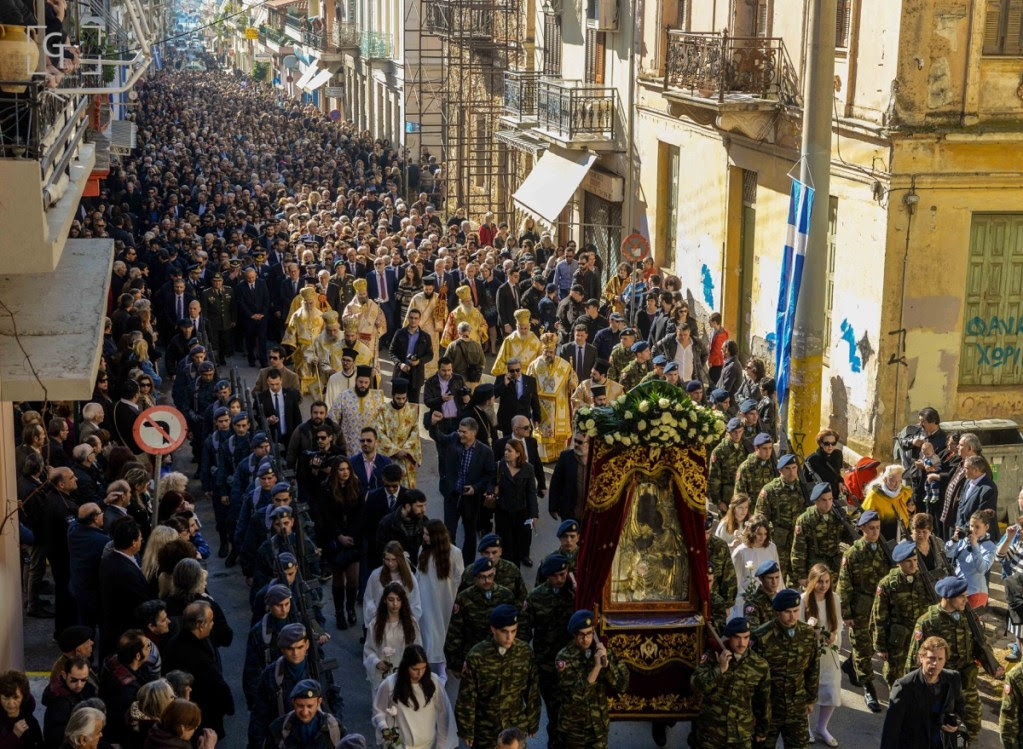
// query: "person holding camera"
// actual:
[[925, 704]]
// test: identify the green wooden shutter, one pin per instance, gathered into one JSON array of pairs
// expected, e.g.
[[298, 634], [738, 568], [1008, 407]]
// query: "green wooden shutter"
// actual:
[[993, 302]]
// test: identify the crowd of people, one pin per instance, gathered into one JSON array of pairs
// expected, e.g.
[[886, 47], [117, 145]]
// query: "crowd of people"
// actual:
[[248, 225]]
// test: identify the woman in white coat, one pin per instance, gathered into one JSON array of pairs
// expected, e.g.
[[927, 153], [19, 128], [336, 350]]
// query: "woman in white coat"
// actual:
[[388, 634], [395, 569], [755, 549], [411, 704], [821, 608], [440, 570]]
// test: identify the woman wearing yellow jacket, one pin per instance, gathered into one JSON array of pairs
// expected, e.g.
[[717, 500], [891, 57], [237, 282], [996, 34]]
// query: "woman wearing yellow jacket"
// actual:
[[891, 500]]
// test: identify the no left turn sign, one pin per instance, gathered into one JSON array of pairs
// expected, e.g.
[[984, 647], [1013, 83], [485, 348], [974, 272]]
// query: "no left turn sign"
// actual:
[[160, 430]]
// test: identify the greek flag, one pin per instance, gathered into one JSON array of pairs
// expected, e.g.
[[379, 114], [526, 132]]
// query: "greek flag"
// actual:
[[800, 207]]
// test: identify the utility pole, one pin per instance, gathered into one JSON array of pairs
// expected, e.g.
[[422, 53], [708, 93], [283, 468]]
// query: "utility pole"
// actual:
[[804, 397]]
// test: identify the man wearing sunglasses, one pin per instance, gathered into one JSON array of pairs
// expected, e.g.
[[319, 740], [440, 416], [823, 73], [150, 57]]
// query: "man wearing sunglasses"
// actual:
[[62, 695]]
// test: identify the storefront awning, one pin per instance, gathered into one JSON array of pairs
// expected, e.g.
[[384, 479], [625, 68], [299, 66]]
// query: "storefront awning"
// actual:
[[553, 182], [320, 79], [282, 3], [307, 76], [521, 141]]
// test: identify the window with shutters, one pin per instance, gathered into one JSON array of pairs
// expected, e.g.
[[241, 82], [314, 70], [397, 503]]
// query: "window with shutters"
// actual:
[[762, 19], [552, 44], [992, 352], [1003, 27], [594, 50], [843, 24]]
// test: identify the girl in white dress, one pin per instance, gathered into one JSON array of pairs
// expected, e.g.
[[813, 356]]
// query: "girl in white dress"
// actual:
[[388, 634], [412, 702], [732, 524], [440, 569], [756, 548], [395, 569], [820, 607]]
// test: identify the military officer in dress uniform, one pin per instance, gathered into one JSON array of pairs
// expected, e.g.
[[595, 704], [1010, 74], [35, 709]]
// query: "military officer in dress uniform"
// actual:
[[901, 598], [221, 316]]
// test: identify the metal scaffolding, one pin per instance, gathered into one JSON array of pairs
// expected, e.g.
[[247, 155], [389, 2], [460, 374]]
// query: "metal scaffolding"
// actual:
[[479, 40]]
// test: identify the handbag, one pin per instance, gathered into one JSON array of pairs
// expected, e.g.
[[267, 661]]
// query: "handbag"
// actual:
[[490, 498]]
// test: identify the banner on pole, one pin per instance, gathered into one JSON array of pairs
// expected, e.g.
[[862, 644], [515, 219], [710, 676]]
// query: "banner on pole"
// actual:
[[800, 208]]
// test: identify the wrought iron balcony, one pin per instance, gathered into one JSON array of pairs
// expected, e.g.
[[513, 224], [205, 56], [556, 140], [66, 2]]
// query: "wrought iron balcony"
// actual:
[[465, 20], [716, 66], [520, 94], [375, 45], [575, 111], [345, 35]]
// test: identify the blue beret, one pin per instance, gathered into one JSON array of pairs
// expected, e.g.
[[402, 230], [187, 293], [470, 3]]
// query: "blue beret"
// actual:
[[718, 395], [903, 551], [287, 559], [276, 594], [219, 411], [483, 564], [488, 541], [734, 423], [950, 587], [281, 512], [306, 689], [290, 634], [265, 468], [785, 460], [693, 385], [670, 367], [550, 287], [504, 615], [207, 366], [640, 346], [747, 405], [866, 517], [196, 350], [762, 439], [240, 416], [820, 488], [223, 384], [766, 568], [553, 564], [259, 438], [281, 486], [735, 626], [785, 599], [567, 526], [581, 619], [660, 360]]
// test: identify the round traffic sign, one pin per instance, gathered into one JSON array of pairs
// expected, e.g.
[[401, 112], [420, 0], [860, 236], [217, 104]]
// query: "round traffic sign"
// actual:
[[635, 247], [160, 430]]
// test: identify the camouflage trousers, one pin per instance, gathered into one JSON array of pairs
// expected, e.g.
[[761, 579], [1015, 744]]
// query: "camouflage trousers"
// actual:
[[971, 696], [862, 650], [792, 729]]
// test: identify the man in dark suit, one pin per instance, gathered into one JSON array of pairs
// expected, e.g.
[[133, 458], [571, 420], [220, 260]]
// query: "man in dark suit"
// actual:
[[368, 462], [410, 349], [126, 410], [280, 408], [192, 650], [980, 493], [122, 586], [381, 501], [382, 287], [253, 310], [508, 301], [172, 305], [522, 429], [288, 289], [919, 696], [580, 354], [565, 500], [468, 476], [517, 396]]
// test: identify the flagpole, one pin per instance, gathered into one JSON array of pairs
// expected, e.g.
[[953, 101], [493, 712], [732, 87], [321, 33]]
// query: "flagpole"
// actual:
[[804, 399]]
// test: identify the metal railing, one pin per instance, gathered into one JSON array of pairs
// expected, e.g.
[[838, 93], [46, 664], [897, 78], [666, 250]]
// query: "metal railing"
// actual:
[[573, 110], [345, 35], [375, 45], [715, 65], [275, 35], [466, 19], [520, 94]]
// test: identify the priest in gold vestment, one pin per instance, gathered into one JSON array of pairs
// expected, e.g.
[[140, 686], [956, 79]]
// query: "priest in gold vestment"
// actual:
[[521, 344], [465, 312], [397, 424], [555, 383], [303, 327]]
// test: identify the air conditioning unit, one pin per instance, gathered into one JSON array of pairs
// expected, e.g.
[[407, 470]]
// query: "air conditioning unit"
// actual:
[[603, 15]]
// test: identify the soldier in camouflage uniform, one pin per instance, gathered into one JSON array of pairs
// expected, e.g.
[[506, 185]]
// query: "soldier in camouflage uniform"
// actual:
[[758, 469], [640, 366], [945, 619], [863, 567], [621, 355], [1009, 719], [545, 617], [725, 460], [499, 687], [657, 373], [726, 584], [757, 608], [900, 599], [587, 675], [790, 648], [781, 502], [471, 612], [735, 686], [568, 536], [508, 575], [817, 535]]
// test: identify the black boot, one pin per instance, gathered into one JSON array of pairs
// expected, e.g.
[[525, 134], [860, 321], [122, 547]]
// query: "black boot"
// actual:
[[225, 545], [338, 591], [850, 671], [232, 557], [353, 591], [871, 699]]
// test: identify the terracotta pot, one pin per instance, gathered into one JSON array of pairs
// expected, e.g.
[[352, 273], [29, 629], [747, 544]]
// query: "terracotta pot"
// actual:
[[19, 56]]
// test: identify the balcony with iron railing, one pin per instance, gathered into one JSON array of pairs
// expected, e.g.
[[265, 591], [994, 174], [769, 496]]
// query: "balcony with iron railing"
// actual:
[[576, 113], [718, 67], [468, 21], [520, 95], [295, 27], [375, 45]]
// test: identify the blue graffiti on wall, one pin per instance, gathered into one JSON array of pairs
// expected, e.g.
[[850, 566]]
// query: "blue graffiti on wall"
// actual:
[[991, 351], [708, 286], [849, 336]]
